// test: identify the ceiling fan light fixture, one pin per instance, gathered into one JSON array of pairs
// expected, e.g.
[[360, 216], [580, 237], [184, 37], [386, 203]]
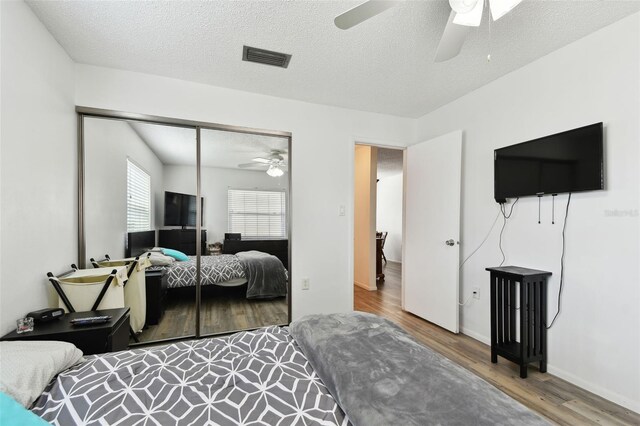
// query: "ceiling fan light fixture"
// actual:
[[464, 6], [473, 18], [275, 171], [499, 8]]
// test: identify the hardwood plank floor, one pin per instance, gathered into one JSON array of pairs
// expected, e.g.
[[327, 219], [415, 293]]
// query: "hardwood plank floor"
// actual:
[[552, 397], [223, 310]]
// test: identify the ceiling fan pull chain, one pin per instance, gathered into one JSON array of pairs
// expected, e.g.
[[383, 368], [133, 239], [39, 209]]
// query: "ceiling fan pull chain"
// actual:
[[487, 8]]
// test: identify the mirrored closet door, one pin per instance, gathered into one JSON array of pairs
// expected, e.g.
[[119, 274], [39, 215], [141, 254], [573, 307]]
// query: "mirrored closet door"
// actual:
[[139, 194], [195, 215], [244, 185]]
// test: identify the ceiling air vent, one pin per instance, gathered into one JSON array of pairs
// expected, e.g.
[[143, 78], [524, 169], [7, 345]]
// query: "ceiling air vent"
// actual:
[[266, 57]]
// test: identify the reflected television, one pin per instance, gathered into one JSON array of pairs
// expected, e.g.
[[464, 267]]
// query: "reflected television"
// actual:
[[180, 209]]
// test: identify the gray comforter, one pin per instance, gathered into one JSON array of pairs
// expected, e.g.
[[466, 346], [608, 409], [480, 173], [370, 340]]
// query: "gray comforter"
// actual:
[[382, 376], [252, 378], [266, 276], [214, 270]]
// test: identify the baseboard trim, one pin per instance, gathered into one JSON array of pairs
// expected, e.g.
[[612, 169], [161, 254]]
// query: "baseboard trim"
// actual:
[[591, 387], [475, 336], [366, 287], [569, 377]]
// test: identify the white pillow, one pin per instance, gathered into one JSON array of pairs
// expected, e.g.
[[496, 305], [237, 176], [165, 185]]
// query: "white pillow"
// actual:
[[159, 259], [27, 367]]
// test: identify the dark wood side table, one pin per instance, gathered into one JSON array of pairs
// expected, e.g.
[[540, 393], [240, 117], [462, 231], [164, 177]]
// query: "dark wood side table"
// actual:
[[156, 286], [526, 342], [90, 339]]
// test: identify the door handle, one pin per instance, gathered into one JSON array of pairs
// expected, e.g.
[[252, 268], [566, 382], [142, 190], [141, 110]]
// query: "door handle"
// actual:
[[450, 242]]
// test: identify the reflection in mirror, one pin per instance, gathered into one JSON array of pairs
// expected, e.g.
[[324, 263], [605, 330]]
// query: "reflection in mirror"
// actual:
[[135, 203], [245, 186]]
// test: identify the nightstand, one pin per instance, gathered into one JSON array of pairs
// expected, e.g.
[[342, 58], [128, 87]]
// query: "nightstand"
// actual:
[[156, 287], [90, 339]]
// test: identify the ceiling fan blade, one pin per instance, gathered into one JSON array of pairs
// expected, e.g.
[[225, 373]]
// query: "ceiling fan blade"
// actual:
[[452, 40], [362, 12], [472, 18], [499, 8], [249, 165], [261, 160]]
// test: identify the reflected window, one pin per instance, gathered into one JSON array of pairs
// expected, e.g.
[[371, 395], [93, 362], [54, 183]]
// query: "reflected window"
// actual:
[[257, 214], [138, 198]]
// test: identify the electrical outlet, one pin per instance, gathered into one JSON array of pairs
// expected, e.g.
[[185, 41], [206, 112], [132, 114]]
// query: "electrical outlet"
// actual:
[[305, 283], [476, 292]]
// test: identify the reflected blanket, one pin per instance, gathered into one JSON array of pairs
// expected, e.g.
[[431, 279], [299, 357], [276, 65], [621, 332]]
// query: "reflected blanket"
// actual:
[[266, 276]]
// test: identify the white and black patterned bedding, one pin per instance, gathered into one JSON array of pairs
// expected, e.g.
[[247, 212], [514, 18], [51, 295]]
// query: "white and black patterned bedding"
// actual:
[[215, 270], [251, 378]]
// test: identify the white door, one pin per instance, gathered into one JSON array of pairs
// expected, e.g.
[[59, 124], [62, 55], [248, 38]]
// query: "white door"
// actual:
[[432, 230]]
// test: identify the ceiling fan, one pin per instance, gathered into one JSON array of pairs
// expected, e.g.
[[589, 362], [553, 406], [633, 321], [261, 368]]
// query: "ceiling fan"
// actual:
[[274, 161], [464, 15]]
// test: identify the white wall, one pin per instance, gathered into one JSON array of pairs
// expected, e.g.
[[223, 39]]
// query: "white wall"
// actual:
[[216, 181], [321, 160], [38, 169], [389, 215], [596, 340], [108, 145]]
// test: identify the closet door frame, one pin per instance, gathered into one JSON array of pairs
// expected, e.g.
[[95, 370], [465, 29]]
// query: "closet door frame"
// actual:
[[83, 111]]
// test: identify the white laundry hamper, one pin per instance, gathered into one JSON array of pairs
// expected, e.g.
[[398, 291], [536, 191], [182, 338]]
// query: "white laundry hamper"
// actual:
[[83, 287], [135, 293]]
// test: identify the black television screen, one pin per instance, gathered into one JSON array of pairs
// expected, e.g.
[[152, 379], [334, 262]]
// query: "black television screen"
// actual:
[[180, 209], [570, 161]]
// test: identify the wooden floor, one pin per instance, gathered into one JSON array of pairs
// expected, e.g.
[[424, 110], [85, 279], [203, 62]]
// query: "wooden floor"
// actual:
[[552, 397], [223, 310]]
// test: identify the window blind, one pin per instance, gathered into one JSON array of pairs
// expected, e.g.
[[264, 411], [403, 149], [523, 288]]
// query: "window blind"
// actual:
[[138, 198], [257, 214]]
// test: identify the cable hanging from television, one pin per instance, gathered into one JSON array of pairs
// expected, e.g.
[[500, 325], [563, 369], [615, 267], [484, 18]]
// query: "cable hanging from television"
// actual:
[[539, 202], [505, 216], [564, 227]]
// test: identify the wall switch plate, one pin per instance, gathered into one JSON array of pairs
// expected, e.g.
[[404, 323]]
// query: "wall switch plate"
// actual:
[[305, 283], [476, 292], [342, 210]]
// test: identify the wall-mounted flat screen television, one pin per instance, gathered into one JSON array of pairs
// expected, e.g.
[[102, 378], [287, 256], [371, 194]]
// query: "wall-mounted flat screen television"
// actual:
[[570, 161], [180, 209]]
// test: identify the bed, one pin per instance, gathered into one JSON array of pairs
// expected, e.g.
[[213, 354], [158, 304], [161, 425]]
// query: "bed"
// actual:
[[265, 274], [336, 369]]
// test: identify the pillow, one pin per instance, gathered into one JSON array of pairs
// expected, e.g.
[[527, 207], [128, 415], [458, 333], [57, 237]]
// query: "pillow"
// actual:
[[27, 367], [12, 413], [159, 259], [177, 255], [156, 250]]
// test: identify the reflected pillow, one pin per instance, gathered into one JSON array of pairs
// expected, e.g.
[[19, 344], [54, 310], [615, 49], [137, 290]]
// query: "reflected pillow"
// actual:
[[177, 255], [159, 259]]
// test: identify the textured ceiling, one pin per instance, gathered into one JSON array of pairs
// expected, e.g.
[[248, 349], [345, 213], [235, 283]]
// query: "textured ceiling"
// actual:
[[177, 146], [383, 65], [389, 162]]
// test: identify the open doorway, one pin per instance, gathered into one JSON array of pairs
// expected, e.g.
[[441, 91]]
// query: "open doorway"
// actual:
[[378, 220]]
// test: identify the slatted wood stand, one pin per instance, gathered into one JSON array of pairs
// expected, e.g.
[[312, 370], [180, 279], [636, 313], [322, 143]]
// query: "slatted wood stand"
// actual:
[[525, 342]]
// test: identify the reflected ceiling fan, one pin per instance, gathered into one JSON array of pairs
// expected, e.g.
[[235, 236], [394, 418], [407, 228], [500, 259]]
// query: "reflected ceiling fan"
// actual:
[[274, 162], [464, 15]]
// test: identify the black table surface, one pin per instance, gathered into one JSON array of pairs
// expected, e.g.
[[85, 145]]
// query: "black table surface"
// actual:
[[62, 325], [518, 270]]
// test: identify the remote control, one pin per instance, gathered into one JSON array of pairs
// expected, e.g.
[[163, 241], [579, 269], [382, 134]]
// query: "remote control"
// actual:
[[90, 320]]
